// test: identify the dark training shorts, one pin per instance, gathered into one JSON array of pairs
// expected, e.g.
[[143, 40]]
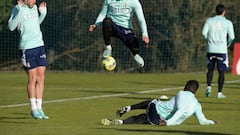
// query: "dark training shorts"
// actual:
[[152, 115], [220, 59], [32, 58]]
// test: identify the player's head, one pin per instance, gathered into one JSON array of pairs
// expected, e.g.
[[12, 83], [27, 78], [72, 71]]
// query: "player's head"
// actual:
[[191, 85], [29, 3], [220, 9]]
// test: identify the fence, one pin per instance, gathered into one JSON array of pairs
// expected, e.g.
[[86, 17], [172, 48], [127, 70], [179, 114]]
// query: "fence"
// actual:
[[174, 28]]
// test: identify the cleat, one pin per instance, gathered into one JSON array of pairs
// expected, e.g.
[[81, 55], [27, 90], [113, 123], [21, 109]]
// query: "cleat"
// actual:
[[208, 91], [219, 96], [139, 60], [45, 117], [121, 111], [106, 122], [36, 115]]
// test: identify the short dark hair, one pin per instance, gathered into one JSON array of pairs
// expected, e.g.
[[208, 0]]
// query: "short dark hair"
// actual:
[[191, 85], [220, 8]]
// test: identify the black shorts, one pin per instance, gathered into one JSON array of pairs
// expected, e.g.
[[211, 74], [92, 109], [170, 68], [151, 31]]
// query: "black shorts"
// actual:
[[220, 59], [152, 115]]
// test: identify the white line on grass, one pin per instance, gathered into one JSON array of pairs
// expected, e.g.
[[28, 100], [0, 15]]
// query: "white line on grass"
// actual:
[[92, 97], [105, 96]]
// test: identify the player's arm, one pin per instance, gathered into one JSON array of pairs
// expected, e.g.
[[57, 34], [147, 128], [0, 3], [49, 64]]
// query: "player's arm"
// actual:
[[200, 116], [15, 16], [178, 117], [231, 35], [43, 11], [205, 30], [100, 17], [142, 22]]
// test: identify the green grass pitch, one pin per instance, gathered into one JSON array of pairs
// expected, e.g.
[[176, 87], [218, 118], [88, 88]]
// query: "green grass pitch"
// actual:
[[76, 102]]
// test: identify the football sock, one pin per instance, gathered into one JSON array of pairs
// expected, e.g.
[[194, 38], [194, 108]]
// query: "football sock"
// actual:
[[139, 60], [39, 104], [119, 122], [107, 51], [33, 103], [109, 47], [128, 108]]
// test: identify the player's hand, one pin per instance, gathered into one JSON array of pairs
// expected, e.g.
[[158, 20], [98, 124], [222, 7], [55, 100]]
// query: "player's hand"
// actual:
[[146, 40], [20, 2], [92, 27], [42, 4], [162, 123]]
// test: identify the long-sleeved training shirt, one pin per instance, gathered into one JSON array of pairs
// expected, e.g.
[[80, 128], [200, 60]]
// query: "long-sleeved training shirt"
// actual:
[[27, 21], [180, 107], [219, 33], [121, 12]]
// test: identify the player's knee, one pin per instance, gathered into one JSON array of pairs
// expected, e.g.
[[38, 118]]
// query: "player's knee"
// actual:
[[107, 22]]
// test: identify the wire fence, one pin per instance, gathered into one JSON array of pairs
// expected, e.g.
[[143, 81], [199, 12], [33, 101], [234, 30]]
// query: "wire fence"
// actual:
[[174, 27]]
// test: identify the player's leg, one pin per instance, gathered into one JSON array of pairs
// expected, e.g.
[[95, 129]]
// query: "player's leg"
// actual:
[[139, 119], [131, 42], [220, 84], [222, 65], [41, 68], [40, 90], [29, 64], [32, 92], [209, 82], [125, 109], [211, 64], [107, 33], [133, 45]]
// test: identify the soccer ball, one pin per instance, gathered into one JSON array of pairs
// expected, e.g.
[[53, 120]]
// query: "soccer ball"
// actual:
[[163, 97], [109, 63]]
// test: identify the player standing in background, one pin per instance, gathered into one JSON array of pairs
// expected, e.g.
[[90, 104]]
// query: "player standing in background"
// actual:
[[26, 19], [166, 113], [116, 18], [219, 33]]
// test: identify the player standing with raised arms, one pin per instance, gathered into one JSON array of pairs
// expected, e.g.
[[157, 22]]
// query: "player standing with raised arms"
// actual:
[[116, 18], [26, 19]]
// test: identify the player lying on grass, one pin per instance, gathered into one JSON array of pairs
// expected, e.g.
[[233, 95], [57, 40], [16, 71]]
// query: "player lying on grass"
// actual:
[[166, 113]]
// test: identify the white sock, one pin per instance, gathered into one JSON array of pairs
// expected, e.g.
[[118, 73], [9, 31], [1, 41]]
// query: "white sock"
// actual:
[[139, 60], [219, 93], [120, 121], [128, 108], [109, 47], [39, 104], [33, 103]]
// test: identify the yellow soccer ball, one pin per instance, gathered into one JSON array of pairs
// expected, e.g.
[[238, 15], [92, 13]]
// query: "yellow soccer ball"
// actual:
[[109, 63]]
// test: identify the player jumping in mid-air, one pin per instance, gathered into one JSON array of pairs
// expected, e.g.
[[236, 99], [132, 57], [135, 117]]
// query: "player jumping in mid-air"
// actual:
[[116, 19]]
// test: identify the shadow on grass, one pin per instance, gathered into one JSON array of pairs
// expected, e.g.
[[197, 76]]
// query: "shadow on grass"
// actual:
[[170, 131], [16, 119], [173, 131]]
